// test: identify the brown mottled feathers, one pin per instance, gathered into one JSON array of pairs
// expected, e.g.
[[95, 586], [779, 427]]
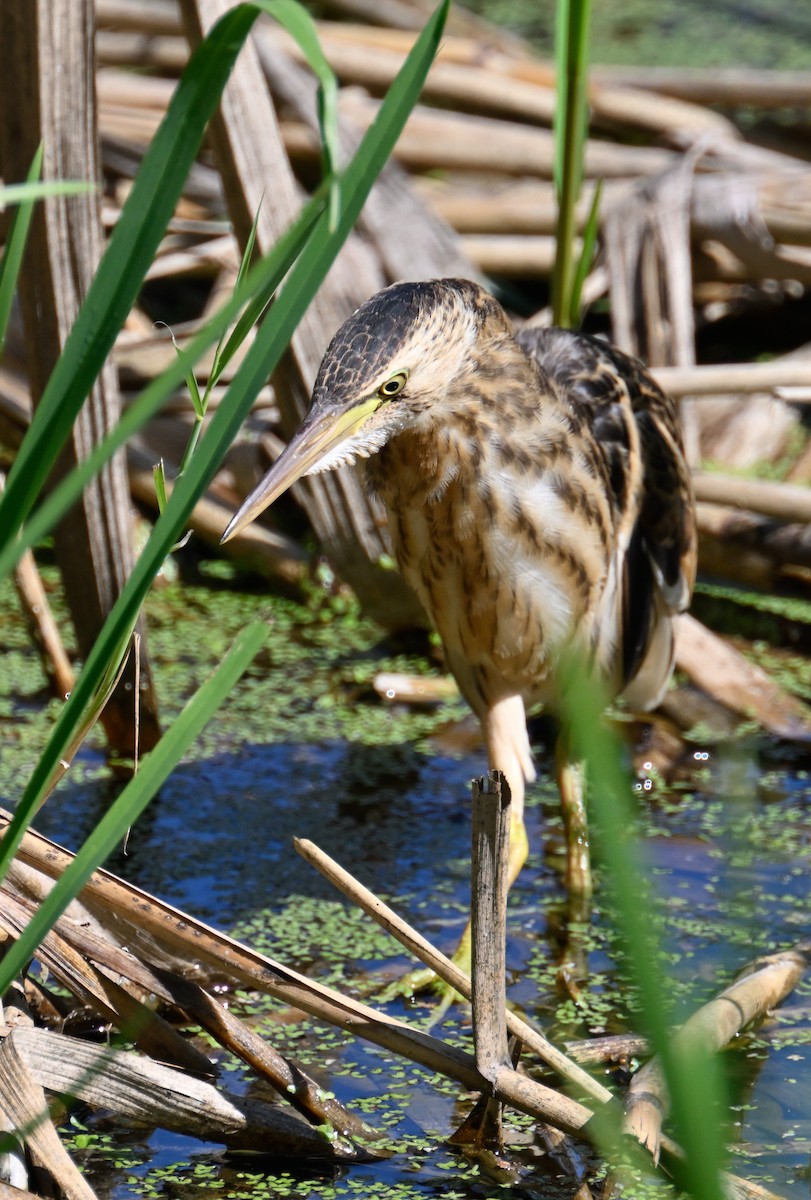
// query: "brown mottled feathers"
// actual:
[[535, 484], [652, 489], [538, 503]]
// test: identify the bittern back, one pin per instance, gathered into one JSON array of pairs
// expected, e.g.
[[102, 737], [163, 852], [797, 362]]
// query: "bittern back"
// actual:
[[538, 502]]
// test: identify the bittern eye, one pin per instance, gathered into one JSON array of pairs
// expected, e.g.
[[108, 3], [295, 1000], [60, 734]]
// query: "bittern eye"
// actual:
[[393, 386]]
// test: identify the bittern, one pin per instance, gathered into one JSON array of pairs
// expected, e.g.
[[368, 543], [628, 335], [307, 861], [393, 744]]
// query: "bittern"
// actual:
[[538, 499]]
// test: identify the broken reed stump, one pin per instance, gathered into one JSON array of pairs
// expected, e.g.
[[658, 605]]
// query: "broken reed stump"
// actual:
[[490, 832]]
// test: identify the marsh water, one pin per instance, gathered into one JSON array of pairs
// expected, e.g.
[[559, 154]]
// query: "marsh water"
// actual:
[[305, 746]]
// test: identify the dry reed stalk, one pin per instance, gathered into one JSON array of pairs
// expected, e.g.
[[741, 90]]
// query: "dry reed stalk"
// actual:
[[414, 689], [726, 87], [157, 17], [41, 624], [760, 988], [728, 379], [783, 501], [445, 968], [146, 51], [614, 1048], [520, 207], [516, 257], [723, 673], [155, 928]]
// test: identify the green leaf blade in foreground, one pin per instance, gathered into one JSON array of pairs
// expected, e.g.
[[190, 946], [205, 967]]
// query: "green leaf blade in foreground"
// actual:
[[587, 253], [300, 25], [155, 769], [262, 357], [22, 193], [693, 1080], [12, 256], [124, 264], [263, 280]]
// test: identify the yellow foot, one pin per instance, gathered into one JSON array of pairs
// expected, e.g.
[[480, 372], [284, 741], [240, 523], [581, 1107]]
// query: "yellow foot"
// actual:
[[422, 980]]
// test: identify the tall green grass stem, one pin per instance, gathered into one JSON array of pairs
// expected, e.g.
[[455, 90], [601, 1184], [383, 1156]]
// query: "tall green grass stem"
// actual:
[[693, 1081], [571, 67]]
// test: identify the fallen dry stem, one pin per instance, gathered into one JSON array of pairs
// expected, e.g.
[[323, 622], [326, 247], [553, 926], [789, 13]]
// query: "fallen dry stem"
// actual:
[[783, 501], [143, 1090], [715, 666], [762, 987], [157, 929], [444, 968]]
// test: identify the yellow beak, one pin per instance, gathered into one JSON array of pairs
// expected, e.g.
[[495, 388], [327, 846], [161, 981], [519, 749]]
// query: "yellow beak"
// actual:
[[318, 438]]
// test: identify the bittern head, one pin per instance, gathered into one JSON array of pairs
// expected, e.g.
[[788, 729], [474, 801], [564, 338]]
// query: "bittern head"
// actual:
[[400, 352]]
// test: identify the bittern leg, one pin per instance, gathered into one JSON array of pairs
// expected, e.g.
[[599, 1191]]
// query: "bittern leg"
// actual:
[[508, 750], [575, 823], [573, 966]]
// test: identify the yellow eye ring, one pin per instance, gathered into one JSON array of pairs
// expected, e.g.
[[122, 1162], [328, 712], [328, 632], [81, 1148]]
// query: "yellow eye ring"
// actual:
[[393, 387]]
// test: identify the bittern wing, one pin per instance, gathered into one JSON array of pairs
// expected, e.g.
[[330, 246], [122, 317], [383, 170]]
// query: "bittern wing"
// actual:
[[636, 428]]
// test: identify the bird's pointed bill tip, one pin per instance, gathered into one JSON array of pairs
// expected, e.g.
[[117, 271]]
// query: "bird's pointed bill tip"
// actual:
[[278, 480], [230, 529], [310, 447]]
